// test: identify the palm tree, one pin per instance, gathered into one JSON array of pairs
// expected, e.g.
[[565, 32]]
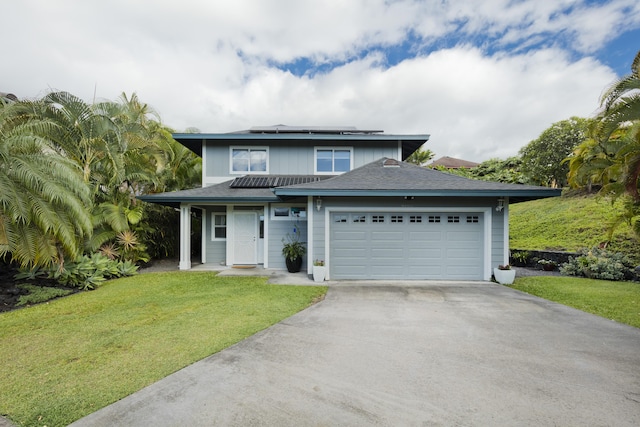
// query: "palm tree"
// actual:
[[620, 113], [43, 199]]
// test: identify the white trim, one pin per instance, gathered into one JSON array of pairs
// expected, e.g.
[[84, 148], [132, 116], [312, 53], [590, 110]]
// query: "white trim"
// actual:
[[213, 226], [399, 150], [315, 159], [505, 224], [248, 147], [265, 259], [185, 237], [310, 214], [486, 211], [203, 240]]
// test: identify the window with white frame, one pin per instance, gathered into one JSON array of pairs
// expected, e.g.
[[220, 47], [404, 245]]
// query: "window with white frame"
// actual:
[[249, 160], [219, 224], [288, 212], [333, 160]]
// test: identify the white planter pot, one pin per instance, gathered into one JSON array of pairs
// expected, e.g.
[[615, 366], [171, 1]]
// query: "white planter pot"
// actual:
[[504, 277], [319, 273]]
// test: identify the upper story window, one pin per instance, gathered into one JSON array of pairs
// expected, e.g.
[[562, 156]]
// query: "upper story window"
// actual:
[[249, 160], [333, 160]]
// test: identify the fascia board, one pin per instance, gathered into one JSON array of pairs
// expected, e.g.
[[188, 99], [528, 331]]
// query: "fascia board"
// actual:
[[224, 137], [420, 193]]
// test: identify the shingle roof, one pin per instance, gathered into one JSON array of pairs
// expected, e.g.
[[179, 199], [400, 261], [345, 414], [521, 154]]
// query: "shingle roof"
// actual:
[[383, 177], [453, 163], [374, 179], [214, 193]]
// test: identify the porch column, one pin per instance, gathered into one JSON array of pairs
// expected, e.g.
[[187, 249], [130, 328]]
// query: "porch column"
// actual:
[[185, 237]]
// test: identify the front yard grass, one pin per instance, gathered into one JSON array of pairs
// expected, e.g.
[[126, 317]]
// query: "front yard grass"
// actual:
[[67, 358], [619, 301]]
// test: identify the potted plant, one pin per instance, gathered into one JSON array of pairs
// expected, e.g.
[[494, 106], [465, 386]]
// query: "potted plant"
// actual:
[[504, 274], [547, 265], [293, 250], [319, 270]]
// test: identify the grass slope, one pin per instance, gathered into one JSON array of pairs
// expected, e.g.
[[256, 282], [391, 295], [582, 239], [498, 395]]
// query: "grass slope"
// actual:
[[619, 301], [67, 358], [568, 223]]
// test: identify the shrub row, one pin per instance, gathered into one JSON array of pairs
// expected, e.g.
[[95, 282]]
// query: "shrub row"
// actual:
[[86, 273]]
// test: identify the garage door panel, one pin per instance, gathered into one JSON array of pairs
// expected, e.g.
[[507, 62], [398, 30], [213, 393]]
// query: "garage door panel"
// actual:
[[425, 270], [387, 271], [352, 235], [425, 254], [463, 236], [420, 236], [430, 247], [387, 253], [386, 236]]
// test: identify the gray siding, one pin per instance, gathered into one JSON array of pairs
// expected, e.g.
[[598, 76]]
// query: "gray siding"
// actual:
[[291, 158], [279, 230], [216, 250]]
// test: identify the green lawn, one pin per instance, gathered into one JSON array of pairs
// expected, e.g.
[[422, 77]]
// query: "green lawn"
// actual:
[[619, 301], [67, 358]]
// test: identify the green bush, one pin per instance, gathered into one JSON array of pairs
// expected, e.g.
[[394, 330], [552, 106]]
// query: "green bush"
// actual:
[[599, 264], [86, 273]]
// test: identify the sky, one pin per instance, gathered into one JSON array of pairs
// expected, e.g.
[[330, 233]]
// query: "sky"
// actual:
[[483, 78]]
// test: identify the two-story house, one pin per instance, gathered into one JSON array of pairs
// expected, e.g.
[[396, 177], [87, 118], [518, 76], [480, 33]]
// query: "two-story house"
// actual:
[[356, 204]]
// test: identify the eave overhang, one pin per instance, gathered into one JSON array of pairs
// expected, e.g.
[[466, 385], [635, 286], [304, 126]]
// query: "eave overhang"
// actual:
[[195, 141], [176, 202], [513, 194]]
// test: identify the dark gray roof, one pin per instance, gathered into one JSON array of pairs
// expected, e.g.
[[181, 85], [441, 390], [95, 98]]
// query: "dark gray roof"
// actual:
[[384, 177], [214, 193], [375, 179]]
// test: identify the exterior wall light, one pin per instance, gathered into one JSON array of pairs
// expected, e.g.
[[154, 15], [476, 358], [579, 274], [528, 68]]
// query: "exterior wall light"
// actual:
[[500, 206], [318, 204]]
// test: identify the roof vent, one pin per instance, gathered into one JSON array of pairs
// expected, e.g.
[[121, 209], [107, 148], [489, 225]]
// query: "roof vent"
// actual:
[[391, 163]]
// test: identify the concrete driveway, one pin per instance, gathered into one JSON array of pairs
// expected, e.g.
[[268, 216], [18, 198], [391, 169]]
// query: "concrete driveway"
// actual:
[[428, 354]]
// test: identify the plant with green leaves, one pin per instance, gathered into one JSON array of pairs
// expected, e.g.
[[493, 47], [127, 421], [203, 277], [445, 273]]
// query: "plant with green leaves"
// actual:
[[599, 264], [611, 158], [43, 198], [543, 158]]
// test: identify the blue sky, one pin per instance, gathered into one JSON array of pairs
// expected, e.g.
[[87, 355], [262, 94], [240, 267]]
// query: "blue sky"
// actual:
[[483, 78]]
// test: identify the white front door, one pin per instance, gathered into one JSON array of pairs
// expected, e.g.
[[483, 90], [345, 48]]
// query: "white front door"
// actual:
[[245, 236]]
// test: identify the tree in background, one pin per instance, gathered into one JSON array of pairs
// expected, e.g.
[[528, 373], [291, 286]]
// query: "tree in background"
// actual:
[[543, 158], [420, 157], [611, 157], [497, 170]]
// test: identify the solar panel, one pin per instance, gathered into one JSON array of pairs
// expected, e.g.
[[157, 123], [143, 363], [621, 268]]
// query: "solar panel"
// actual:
[[253, 181]]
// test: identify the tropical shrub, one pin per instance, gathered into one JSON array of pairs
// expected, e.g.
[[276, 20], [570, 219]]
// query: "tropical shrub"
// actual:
[[599, 264], [86, 273]]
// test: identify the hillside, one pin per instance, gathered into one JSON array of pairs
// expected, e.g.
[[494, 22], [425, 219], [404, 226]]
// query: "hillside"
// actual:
[[569, 223]]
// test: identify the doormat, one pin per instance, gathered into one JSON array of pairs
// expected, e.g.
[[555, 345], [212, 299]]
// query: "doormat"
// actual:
[[244, 266]]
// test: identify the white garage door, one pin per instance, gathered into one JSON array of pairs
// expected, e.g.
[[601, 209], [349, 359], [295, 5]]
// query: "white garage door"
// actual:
[[414, 245]]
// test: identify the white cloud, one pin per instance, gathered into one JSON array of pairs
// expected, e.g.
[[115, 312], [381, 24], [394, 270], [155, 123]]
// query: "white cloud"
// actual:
[[207, 64]]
